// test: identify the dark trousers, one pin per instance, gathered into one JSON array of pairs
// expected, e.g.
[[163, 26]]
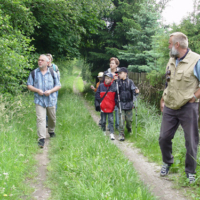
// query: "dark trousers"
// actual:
[[187, 117], [110, 121]]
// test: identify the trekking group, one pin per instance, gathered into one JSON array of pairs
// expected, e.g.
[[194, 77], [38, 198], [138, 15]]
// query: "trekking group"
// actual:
[[116, 92]]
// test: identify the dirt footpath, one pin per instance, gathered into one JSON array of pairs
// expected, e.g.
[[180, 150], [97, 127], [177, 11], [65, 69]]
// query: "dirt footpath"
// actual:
[[149, 172]]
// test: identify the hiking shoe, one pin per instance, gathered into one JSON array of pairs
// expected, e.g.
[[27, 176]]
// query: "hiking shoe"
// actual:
[[41, 143], [191, 177], [121, 137], [112, 137], [165, 169], [52, 134]]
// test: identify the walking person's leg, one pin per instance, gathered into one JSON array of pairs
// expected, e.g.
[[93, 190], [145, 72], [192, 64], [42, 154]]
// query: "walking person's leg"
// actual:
[[169, 126], [189, 121], [51, 112], [41, 124], [103, 122], [129, 120], [111, 125]]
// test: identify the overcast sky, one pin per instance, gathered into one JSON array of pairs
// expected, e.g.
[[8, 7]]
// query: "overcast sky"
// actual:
[[176, 10]]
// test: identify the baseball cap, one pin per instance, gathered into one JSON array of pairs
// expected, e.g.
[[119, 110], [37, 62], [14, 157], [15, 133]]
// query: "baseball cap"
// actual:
[[122, 69], [100, 74], [109, 75]]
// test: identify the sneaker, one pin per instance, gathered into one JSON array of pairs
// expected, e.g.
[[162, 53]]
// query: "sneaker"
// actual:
[[165, 169], [112, 137], [52, 134], [121, 137], [191, 177], [41, 143]]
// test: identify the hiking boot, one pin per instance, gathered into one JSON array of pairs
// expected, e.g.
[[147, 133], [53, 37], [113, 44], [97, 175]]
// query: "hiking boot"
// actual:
[[121, 137], [112, 137], [52, 134], [165, 169], [191, 177], [41, 143]]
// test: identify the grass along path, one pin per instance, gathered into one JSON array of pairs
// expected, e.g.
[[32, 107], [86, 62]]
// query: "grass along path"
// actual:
[[84, 164], [148, 172]]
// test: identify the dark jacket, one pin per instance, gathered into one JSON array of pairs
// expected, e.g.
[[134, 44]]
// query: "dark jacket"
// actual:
[[127, 93], [109, 101]]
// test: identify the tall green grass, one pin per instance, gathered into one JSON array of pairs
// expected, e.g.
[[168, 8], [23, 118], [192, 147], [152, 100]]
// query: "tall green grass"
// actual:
[[17, 145], [84, 163]]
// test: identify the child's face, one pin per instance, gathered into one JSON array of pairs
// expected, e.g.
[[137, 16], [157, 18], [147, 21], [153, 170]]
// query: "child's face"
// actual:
[[122, 75], [100, 78], [113, 64], [107, 80]]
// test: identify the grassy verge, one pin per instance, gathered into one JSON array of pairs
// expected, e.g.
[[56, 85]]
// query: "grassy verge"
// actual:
[[17, 146], [146, 136], [84, 163]]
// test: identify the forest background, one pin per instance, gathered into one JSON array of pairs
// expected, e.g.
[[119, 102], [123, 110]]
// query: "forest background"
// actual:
[[90, 31]]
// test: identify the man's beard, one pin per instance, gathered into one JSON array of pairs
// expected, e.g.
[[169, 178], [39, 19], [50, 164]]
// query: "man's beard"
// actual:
[[174, 53]]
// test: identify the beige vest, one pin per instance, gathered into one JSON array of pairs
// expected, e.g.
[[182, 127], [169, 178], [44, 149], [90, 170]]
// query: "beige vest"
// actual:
[[183, 84]]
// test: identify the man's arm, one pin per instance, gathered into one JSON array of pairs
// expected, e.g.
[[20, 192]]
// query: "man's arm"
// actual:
[[33, 89], [48, 92]]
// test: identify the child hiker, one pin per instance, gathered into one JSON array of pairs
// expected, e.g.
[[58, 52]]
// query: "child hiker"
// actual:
[[127, 93], [100, 77], [106, 94]]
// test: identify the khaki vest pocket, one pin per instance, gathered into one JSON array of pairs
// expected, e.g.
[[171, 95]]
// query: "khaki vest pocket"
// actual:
[[179, 75]]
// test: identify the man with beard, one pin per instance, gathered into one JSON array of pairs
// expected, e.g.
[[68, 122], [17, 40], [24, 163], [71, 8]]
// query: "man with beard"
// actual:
[[179, 103], [44, 82]]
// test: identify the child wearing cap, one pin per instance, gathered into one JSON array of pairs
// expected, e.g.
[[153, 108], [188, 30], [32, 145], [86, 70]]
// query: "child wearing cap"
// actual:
[[127, 93], [108, 102], [114, 63], [100, 77]]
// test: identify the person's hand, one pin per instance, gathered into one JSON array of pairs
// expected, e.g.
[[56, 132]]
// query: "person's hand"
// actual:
[[162, 104], [192, 100], [92, 87], [115, 77], [40, 92], [137, 90], [47, 93]]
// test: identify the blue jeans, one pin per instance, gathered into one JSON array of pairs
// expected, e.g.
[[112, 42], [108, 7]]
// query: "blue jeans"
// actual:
[[110, 121], [116, 117]]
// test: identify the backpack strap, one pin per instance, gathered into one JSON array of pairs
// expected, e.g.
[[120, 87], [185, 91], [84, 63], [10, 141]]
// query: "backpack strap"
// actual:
[[51, 71], [54, 67]]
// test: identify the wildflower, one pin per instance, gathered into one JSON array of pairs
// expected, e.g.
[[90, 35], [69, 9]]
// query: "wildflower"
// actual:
[[6, 174], [5, 195]]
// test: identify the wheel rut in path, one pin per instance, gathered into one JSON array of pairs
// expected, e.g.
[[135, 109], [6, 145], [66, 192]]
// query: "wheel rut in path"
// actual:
[[41, 192], [148, 172]]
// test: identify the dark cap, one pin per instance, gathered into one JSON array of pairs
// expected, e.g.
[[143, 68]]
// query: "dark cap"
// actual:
[[122, 69], [109, 75]]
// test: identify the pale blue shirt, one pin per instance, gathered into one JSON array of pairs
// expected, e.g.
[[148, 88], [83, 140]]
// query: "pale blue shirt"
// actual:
[[44, 82]]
